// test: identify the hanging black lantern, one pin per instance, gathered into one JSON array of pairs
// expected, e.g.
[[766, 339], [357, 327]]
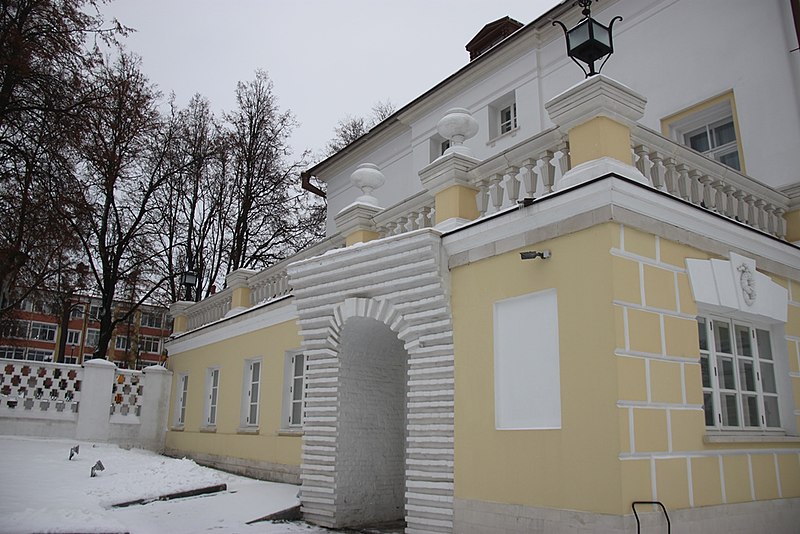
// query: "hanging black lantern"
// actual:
[[589, 40]]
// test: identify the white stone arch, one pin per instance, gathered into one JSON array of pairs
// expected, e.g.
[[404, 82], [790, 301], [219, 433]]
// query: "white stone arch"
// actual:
[[397, 282]]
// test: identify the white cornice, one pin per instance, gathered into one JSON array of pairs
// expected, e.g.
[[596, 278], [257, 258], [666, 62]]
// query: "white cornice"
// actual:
[[615, 199], [254, 319]]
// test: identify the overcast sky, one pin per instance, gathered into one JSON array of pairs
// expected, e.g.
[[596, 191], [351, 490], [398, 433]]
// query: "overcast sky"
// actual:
[[326, 58]]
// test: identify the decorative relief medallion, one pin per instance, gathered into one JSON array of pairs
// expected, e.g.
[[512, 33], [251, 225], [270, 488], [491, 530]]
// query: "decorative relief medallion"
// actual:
[[747, 281]]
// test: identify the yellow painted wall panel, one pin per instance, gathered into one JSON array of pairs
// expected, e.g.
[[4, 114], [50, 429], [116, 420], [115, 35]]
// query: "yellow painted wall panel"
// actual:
[[681, 338], [624, 430], [685, 295], [636, 483], [269, 344], [619, 326], [793, 323], [487, 463], [672, 482], [794, 286], [659, 288], [706, 482], [765, 480], [641, 243], [694, 383], [794, 361], [688, 428], [650, 430], [792, 225], [626, 280], [597, 138], [737, 479], [676, 253], [665, 382], [789, 465], [644, 331], [632, 379], [796, 390]]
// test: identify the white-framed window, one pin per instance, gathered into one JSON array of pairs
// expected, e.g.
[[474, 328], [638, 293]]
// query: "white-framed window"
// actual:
[[150, 344], [212, 394], [709, 128], [94, 312], [40, 355], [73, 337], [43, 331], [12, 353], [17, 329], [503, 115], [181, 397], [76, 312], [92, 337], [152, 319], [121, 343], [252, 392], [294, 389], [740, 390]]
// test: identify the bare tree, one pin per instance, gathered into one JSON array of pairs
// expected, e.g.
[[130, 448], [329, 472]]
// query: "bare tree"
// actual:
[[351, 128], [44, 65], [273, 218], [123, 165]]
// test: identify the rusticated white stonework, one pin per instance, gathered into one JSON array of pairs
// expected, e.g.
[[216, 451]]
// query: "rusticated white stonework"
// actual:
[[377, 334]]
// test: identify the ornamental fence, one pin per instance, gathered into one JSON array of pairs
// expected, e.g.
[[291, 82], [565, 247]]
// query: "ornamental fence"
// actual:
[[90, 402]]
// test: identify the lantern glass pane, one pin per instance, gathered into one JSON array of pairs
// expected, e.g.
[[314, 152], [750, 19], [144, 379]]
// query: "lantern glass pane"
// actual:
[[578, 35], [601, 34]]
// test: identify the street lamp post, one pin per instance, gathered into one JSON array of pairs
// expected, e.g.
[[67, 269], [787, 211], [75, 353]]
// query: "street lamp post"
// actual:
[[189, 280]]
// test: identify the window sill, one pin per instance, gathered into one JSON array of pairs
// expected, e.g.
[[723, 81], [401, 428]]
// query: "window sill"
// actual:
[[209, 429], [176, 429], [511, 133], [724, 437], [290, 432], [247, 430]]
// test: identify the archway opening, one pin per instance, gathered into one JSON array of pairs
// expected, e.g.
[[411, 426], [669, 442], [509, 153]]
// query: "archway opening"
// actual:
[[372, 424]]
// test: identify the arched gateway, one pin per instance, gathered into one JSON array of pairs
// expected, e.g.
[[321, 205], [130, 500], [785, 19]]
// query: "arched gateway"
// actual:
[[377, 334]]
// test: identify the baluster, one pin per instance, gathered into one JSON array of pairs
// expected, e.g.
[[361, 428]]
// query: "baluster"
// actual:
[[656, 174], [684, 182], [671, 177], [705, 191], [529, 178], [495, 190], [750, 210], [413, 222], [641, 161], [780, 229], [564, 163], [547, 172], [741, 207], [718, 196], [696, 189], [426, 221], [482, 197], [402, 221], [769, 211], [390, 227], [512, 185], [730, 201], [760, 218]]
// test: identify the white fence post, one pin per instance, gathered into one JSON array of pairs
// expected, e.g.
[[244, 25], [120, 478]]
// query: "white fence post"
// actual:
[[93, 416], [155, 406]]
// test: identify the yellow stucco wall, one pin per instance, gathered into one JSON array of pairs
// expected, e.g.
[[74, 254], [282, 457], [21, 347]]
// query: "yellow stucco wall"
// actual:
[[270, 345], [633, 426]]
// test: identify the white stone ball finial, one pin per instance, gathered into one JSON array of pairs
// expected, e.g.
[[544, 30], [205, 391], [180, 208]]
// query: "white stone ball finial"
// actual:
[[457, 126], [367, 177]]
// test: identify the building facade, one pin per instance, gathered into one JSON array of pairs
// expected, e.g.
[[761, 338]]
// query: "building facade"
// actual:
[[37, 330], [541, 299]]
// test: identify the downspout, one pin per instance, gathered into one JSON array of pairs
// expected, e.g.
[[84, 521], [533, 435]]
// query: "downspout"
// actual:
[[305, 180]]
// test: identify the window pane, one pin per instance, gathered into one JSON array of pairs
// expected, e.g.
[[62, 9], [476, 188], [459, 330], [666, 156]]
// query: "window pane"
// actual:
[[253, 417], [764, 345], [298, 365], [698, 141], [724, 134], [297, 389], [215, 378], [730, 415], [705, 371], [768, 378], [722, 337], [702, 333], [708, 408], [727, 380], [297, 409], [750, 410], [254, 392], [743, 345], [731, 159], [771, 412], [256, 368], [747, 375], [212, 415]]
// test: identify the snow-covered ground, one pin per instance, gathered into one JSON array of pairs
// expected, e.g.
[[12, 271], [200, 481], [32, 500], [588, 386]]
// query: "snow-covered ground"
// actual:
[[42, 491]]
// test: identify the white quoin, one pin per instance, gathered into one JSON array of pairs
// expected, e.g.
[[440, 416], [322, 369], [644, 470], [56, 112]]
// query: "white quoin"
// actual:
[[457, 126], [368, 178]]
